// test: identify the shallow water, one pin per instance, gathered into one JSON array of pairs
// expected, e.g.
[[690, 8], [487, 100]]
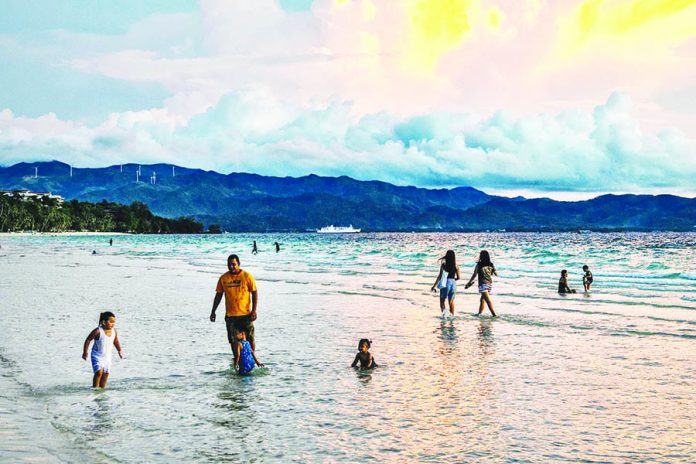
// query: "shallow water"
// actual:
[[603, 377]]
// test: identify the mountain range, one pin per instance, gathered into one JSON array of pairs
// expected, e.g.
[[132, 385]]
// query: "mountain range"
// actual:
[[242, 202]]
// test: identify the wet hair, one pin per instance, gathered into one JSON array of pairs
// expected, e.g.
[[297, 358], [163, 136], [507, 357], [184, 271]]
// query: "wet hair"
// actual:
[[485, 258], [585, 267], [236, 331], [231, 257], [564, 272], [450, 261], [364, 340], [103, 317]]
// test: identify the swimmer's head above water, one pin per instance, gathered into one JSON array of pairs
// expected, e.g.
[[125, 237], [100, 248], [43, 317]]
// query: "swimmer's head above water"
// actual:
[[364, 342]]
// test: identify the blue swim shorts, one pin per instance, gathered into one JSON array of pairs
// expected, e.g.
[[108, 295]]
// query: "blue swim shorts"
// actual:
[[449, 290], [485, 288], [100, 362]]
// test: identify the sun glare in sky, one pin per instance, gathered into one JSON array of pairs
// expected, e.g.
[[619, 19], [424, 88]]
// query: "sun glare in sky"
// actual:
[[437, 26], [634, 25]]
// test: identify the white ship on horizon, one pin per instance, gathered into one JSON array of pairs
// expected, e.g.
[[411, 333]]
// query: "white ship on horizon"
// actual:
[[338, 230]]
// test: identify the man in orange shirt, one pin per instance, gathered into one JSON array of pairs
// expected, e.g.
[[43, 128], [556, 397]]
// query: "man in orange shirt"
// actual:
[[241, 298]]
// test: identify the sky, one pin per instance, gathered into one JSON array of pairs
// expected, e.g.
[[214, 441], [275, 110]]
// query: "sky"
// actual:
[[566, 99]]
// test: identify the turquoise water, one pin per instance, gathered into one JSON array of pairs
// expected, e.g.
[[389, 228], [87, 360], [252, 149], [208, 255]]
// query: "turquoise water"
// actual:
[[602, 377]]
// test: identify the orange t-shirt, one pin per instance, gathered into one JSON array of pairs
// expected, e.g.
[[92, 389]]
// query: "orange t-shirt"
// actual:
[[237, 289]]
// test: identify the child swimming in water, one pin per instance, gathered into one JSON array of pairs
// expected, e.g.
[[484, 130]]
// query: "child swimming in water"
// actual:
[[244, 356], [563, 283], [364, 357], [104, 337], [587, 278]]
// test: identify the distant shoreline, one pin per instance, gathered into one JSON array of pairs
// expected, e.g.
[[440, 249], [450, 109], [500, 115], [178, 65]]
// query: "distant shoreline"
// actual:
[[44, 234], [570, 232], [268, 203]]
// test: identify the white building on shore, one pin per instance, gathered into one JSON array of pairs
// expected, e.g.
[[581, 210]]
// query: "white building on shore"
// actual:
[[26, 194]]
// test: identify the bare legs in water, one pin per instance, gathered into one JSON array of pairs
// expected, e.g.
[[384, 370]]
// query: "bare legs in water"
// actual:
[[451, 306], [99, 379], [485, 298]]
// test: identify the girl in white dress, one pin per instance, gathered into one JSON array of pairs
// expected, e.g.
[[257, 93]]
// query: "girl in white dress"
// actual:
[[105, 338]]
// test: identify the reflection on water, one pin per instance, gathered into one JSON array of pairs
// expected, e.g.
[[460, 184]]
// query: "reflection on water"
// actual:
[[485, 336], [234, 400], [364, 376], [100, 421], [448, 332]]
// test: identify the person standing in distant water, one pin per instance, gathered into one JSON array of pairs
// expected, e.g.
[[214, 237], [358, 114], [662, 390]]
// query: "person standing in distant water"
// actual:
[[241, 299], [111, 241], [448, 266], [484, 270], [277, 245], [563, 283], [254, 249], [587, 278]]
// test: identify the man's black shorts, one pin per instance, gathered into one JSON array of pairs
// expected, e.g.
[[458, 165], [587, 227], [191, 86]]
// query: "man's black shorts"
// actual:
[[240, 323]]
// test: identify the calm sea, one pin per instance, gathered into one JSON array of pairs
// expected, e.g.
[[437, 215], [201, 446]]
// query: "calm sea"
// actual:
[[608, 376]]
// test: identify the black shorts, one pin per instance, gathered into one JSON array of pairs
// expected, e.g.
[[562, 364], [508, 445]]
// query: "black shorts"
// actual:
[[243, 323]]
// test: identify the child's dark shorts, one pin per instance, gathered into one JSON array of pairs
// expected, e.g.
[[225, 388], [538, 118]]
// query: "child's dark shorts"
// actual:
[[243, 323]]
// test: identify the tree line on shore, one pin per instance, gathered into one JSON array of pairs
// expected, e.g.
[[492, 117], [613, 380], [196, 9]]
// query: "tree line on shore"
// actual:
[[48, 215]]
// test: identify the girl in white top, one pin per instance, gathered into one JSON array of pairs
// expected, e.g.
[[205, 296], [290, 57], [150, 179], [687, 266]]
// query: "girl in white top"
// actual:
[[105, 338], [450, 271]]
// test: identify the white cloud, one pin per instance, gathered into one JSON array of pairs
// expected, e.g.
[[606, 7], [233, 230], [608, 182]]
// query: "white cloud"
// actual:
[[602, 150]]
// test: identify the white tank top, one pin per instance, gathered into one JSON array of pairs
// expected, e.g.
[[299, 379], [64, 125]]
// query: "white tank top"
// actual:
[[103, 345]]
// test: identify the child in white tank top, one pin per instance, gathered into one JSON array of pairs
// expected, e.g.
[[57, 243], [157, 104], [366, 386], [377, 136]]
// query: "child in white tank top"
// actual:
[[105, 338]]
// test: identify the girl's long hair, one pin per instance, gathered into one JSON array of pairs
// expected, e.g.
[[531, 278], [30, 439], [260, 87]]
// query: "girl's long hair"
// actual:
[[485, 259], [450, 261], [105, 316]]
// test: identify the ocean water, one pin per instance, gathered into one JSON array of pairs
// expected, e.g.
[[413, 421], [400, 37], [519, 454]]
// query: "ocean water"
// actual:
[[607, 376]]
